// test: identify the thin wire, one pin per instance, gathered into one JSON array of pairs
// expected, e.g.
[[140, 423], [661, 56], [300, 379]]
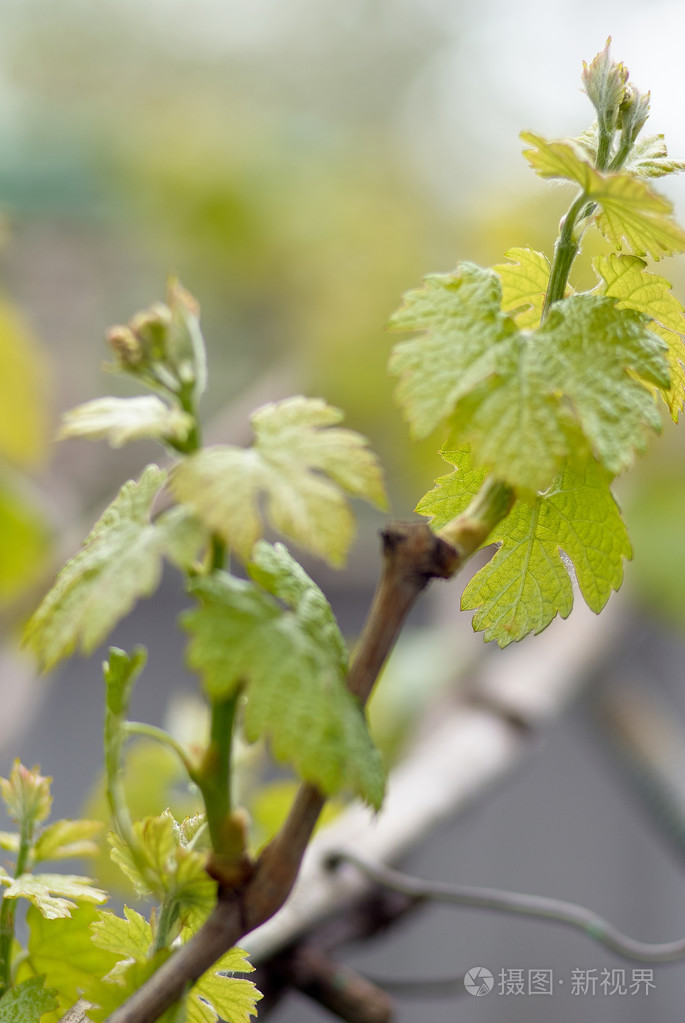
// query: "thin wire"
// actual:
[[568, 913]]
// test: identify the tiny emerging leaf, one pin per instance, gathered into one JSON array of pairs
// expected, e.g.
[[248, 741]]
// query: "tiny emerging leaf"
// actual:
[[26, 795]]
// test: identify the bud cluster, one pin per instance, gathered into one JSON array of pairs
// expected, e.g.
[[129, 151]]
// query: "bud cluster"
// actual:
[[163, 345], [620, 107]]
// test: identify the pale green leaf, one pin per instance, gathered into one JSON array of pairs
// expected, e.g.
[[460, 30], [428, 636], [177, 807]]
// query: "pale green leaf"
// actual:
[[302, 465], [278, 573], [26, 795], [558, 159], [120, 420], [219, 996], [605, 84], [291, 662], [631, 213], [66, 838], [53, 894], [526, 584], [649, 158], [156, 846], [120, 561], [130, 937], [27, 1002], [524, 283], [589, 350], [635, 215], [518, 401], [514, 422], [64, 951], [172, 869], [626, 280], [108, 992], [463, 326], [453, 492]]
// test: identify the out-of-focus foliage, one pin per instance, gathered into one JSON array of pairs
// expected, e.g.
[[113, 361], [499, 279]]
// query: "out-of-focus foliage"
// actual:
[[23, 437]]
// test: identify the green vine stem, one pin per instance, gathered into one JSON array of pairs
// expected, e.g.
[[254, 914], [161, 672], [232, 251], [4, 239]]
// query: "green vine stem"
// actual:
[[565, 251], [468, 531], [8, 909], [159, 735], [166, 918]]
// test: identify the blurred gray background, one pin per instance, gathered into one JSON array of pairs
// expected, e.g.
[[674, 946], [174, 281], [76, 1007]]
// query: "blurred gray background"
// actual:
[[299, 164]]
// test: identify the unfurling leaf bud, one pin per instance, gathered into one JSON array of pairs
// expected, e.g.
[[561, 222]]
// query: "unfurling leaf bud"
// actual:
[[633, 113], [26, 794], [126, 348], [605, 82], [163, 345]]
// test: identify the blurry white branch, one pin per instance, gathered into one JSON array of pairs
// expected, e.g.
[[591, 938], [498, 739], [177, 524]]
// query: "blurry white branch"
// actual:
[[476, 743]]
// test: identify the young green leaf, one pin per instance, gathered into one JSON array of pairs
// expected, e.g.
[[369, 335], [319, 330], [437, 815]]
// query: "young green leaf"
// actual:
[[301, 463], [524, 283], [52, 894], [26, 795], [121, 420], [65, 838], [517, 399], [27, 1002], [120, 561], [219, 996], [626, 280], [514, 422], [634, 214], [130, 938], [107, 993], [453, 492], [631, 212], [462, 327], [605, 84], [173, 871], [63, 950], [590, 350], [279, 574], [292, 663], [649, 158], [527, 582], [557, 159]]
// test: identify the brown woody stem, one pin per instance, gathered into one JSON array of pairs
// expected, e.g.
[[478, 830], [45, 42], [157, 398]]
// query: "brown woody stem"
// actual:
[[412, 556]]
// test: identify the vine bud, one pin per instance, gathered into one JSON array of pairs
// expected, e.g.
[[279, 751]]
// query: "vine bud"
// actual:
[[605, 83], [26, 794], [633, 113]]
